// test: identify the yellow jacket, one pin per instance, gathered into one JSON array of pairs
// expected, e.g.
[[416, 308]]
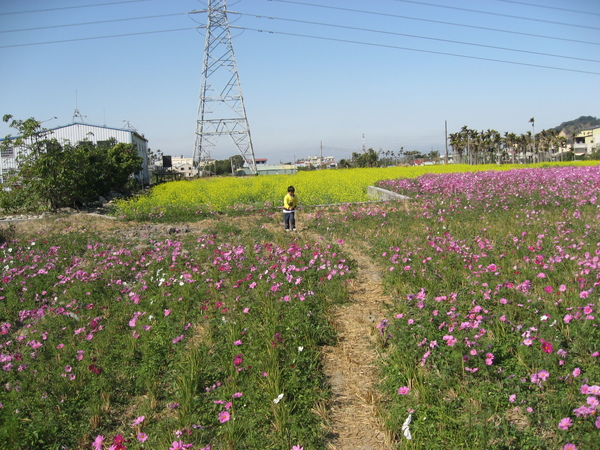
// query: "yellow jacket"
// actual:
[[290, 203]]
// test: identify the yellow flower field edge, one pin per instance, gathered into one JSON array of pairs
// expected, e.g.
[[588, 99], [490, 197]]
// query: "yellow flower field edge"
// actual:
[[190, 200]]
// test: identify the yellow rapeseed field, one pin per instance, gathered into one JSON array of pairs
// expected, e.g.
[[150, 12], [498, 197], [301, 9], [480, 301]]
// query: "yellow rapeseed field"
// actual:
[[319, 187]]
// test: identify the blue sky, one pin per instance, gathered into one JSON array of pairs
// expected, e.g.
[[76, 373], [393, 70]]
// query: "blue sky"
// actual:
[[315, 74]]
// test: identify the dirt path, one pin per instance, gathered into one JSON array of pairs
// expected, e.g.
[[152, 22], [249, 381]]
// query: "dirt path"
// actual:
[[350, 365]]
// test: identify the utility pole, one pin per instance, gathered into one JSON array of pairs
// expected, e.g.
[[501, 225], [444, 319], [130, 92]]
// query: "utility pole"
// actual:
[[221, 109], [321, 159], [532, 122], [446, 134]]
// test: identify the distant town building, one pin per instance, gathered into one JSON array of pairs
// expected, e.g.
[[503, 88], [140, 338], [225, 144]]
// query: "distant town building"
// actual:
[[317, 162], [263, 169]]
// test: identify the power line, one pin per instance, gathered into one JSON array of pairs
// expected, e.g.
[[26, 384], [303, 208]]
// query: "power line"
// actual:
[[93, 23], [437, 21], [456, 8], [421, 37], [97, 37], [417, 50], [550, 7], [71, 7]]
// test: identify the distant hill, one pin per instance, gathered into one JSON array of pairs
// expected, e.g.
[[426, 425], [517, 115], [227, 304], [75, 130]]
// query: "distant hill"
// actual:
[[573, 127]]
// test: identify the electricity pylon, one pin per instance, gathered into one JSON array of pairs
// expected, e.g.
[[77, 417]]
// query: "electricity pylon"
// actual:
[[221, 109]]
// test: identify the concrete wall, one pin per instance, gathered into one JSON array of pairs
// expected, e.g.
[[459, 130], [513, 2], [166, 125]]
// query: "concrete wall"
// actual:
[[377, 193]]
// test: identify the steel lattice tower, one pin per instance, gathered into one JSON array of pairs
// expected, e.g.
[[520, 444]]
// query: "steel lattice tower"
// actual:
[[221, 109]]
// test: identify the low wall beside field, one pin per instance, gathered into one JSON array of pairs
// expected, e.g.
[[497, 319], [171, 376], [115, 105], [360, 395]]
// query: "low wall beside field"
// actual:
[[378, 193]]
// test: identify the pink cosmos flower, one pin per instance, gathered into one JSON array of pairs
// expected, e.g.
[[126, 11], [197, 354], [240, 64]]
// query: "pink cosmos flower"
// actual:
[[97, 444], [570, 447], [597, 423], [237, 395], [576, 372], [297, 447], [403, 390], [543, 375], [142, 437], [512, 398], [224, 416], [238, 342], [138, 421], [565, 423]]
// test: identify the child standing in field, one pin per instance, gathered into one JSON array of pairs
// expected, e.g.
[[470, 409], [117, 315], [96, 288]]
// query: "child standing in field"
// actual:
[[290, 202]]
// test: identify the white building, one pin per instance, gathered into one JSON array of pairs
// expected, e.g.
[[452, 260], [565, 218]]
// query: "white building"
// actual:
[[78, 132], [587, 141], [184, 166]]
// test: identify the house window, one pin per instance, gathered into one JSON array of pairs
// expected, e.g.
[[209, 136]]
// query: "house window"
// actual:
[[8, 153]]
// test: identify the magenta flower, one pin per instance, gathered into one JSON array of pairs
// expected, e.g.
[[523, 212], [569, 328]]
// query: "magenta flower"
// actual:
[[224, 416], [238, 360], [238, 342], [403, 390], [297, 447], [597, 423], [546, 346], [570, 447], [565, 423]]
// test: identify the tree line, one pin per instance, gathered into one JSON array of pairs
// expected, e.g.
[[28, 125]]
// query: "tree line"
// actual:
[[51, 175], [489, 147], [372, 158]]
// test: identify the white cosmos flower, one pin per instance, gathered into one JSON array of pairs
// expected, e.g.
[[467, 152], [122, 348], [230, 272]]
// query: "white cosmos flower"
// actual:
[[278, 399]]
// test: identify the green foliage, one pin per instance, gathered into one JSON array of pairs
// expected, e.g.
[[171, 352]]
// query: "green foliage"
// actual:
[[52, 175]]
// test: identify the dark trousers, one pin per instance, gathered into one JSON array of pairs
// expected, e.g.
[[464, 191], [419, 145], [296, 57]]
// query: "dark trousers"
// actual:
[[289, 220]]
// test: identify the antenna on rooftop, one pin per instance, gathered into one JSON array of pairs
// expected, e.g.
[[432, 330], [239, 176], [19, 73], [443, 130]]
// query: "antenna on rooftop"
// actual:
[[221, 109], [128, 126], [76, 113]]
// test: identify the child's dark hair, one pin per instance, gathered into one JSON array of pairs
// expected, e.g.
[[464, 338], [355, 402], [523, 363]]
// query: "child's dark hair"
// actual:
[[291, 189]]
